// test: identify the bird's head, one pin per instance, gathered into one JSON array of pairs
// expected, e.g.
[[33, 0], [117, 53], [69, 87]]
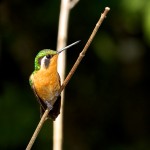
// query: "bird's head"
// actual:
[[44, 57]]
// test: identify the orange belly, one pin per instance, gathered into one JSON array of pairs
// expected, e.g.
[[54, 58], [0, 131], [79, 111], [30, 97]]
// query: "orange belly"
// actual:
[[46, 84]]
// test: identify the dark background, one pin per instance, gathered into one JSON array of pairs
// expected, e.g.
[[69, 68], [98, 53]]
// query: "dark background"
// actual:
[[107, 100]]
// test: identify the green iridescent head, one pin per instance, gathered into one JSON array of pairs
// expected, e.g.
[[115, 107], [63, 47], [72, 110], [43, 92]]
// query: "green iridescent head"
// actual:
[[42, 59]]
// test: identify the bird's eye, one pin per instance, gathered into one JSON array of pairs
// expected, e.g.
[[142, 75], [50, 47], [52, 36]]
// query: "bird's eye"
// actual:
[[48, 56]]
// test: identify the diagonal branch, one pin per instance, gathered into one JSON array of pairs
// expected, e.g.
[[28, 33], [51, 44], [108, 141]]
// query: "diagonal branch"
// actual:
[[81, 55]]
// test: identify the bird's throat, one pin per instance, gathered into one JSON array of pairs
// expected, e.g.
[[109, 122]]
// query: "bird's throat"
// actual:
[[47, 81]]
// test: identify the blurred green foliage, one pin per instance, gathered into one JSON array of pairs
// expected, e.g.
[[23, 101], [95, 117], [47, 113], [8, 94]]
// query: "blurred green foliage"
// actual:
[[107, 100]]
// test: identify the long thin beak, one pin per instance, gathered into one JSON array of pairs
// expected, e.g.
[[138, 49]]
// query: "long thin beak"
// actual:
[[68, 47]]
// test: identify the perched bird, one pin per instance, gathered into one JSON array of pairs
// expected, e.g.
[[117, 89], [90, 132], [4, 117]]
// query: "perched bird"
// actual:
[[45, 81]]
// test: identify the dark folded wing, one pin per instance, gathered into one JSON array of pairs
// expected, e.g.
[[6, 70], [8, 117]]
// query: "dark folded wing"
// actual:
[[56, 107]]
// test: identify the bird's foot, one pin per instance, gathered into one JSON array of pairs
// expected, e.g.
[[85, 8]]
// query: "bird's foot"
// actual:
[[49, 106]]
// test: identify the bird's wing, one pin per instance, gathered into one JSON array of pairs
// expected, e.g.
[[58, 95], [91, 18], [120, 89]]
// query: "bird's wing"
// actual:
[[42, 104], [56, 107]]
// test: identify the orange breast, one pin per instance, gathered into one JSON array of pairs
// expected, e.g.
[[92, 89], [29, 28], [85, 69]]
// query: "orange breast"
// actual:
[[47, 82]]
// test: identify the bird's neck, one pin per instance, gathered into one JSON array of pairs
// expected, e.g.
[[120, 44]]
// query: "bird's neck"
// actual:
[[53, 65]]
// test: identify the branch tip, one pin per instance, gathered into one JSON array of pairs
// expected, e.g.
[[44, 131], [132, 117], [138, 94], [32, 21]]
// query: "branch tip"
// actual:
[[107, 8]]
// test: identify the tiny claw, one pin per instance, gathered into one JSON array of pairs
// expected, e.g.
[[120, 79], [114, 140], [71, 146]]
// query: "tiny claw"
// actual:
[[49, 106]]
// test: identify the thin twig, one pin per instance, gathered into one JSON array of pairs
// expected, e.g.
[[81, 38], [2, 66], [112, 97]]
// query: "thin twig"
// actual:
[[81, 55]]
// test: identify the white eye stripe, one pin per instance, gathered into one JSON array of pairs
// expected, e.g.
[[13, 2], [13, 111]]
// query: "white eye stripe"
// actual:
[[45, 62]]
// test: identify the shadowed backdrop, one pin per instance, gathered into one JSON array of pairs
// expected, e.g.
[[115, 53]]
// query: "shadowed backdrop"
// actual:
[[107, 100]]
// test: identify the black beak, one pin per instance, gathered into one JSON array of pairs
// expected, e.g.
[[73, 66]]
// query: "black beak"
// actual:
[[68, 47]]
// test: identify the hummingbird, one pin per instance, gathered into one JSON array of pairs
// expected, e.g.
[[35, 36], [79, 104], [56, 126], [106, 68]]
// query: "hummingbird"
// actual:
[[45, 81]]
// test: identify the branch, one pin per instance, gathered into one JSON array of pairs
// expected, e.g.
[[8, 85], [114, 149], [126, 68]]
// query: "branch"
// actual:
[[38, 128], [81, 55]]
